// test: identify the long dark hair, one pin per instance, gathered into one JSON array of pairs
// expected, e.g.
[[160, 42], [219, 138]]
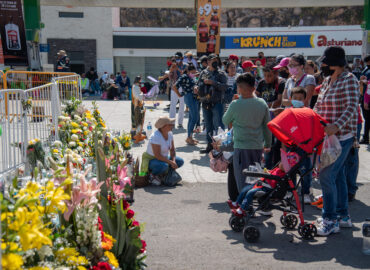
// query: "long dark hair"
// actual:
[[137, 79]]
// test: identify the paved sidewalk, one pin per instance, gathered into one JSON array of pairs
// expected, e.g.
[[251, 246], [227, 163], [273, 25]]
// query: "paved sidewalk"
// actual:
[[187, 226]]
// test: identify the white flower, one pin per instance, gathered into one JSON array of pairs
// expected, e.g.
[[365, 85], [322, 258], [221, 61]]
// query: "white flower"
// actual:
[[57, 144], [74, 137], [72, 144]]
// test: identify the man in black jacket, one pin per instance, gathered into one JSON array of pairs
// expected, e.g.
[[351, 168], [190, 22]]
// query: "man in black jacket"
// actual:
[[63, 62], [93, 80], [211, 87]]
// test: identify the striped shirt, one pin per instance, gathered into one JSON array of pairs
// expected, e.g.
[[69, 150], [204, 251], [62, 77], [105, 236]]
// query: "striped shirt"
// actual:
[[337, 104]]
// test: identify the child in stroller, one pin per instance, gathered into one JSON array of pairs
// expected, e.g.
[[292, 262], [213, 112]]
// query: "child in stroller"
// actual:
[[301, 130]]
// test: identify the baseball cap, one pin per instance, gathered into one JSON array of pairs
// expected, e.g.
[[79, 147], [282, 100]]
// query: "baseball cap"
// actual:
[[248, 63], [283, 63], [212, 56], [233, 57]]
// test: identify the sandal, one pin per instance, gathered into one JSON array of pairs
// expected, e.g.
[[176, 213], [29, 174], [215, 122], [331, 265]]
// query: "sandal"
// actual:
[[190, 141]]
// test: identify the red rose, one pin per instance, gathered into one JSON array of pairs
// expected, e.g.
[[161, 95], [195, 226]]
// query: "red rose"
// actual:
[[135, 223], [130, 214], [126, 205], [143, 246], [91, 128], [102, 266]]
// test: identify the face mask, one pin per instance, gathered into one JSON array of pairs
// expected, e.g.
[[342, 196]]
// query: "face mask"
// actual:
[[293, 71], [141, 85], [284, 74], [215, 65], [297, 103], [260, 56], [326, 71]]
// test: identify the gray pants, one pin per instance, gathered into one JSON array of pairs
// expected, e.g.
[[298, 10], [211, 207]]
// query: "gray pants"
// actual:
[[242, 158]]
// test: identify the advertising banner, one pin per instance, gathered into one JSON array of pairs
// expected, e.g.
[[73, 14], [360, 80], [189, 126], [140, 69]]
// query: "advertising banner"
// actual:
[[265, 42], [12, 33], [208, 26]]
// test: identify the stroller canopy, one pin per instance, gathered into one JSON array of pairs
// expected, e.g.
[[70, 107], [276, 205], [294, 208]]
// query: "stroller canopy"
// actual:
[[298, 127]]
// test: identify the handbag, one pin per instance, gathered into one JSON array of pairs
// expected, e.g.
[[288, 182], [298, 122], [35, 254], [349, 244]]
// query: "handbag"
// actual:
[[172, 178], [218, 162]]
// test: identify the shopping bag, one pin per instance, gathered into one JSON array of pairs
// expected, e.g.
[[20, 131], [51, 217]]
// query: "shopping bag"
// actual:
[[172, 178], [331, 150]]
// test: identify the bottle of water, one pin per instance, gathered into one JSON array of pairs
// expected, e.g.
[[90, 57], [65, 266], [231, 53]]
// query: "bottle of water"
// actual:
[[366, 237], [229, 138], [149, 130]]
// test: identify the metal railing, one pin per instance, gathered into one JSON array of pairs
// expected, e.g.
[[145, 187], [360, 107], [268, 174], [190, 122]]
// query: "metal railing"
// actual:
[[39, 120]]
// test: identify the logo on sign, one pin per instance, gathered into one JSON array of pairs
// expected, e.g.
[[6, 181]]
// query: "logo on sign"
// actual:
[[323, 42]]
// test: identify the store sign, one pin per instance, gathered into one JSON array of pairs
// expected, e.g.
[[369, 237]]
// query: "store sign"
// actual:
[[44, 48], [323, 41], [265, 42], [208, 30], [12, 33]]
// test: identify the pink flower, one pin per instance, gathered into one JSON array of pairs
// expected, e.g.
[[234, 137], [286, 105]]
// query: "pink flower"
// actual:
[[130, 214], [135, 223], [125, 204], [122, 177]]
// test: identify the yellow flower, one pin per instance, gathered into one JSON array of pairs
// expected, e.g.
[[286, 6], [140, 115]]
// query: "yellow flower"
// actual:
[[55, 151], [62, 255], [11, 261], [11, 246], [31, 142], [112, 259], [81, 267], [56, 198], [127, 144], [39, 268], [84, 124], [80, 144], [36, 140], [77, 260], [75, 125], [86, 132], [74, 131]]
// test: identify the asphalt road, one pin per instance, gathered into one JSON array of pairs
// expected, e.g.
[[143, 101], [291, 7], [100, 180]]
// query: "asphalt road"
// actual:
[[187, 226]]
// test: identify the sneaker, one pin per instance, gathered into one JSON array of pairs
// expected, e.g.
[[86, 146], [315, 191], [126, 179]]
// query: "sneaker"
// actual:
[[307, 198], [264, 213], [180, 126], [318, 201], [345, 222], [232, 205], [239, 212], [351, 197], [154, 180], [364, 141], [327, 227]]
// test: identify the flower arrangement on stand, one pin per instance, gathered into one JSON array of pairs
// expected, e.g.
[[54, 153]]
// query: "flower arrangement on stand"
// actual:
[[77, 215]]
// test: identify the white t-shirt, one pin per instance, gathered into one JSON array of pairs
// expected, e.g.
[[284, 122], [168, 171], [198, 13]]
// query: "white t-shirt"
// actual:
[[157, 138], [307, 80], [137, 92]]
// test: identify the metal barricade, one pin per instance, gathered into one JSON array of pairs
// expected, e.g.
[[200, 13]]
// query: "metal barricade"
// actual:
[[29, 79], [68, 87], [1, 80], [13, 140]]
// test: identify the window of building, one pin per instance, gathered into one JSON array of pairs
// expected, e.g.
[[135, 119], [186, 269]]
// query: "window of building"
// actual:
[[63, 14]]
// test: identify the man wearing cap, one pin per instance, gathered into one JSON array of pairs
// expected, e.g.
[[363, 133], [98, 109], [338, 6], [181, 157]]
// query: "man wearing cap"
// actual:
[[203, 62], [235, 59], [248, 66], [124, 83], [211, 87], [161, 153], [337, 104], [282, 67], [63, 62], [190, 59]]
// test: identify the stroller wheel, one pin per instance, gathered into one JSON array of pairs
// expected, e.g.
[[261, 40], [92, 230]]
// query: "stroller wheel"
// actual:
[[290, 221], [282, 220], [251, 234], [237, 224], [307, 231]]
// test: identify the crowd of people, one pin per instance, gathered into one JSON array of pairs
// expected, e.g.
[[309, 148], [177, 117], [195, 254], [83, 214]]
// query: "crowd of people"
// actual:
[[245, 94]]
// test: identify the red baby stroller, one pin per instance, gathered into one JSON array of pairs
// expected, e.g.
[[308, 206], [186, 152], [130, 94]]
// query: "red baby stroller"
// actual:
[[302, 131]]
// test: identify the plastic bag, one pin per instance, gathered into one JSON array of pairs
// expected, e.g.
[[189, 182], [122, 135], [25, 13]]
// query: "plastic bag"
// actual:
[[331, 150], [254, 168]]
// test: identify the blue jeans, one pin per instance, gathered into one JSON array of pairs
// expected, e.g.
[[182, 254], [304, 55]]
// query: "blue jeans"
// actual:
[[192, 104], [307, 180], [158, 167], [213, 119], [352, 166], [334, 185], [94, 85], [245, 198]]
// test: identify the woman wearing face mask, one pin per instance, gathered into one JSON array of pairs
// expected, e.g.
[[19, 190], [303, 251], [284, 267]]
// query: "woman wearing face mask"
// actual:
[[231, 85], [298, 78], [187, 83]]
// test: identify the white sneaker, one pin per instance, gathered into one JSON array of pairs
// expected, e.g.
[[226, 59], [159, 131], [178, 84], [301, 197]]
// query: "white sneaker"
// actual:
[[345, 222], [307, 198], [328, 227], [264, 213]]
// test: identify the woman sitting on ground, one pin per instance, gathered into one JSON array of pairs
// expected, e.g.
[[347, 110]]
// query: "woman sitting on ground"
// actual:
[[161, 153]]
